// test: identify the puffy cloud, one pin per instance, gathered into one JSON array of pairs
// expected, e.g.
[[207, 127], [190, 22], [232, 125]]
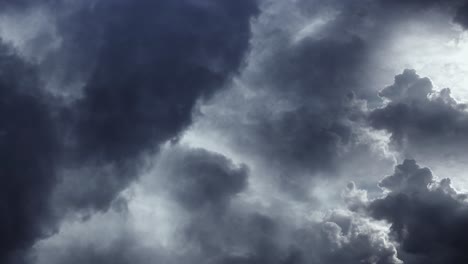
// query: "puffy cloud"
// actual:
[[209, 220], [197, 178], [121, 77], [428, 217], [422, 122], [303, 91]]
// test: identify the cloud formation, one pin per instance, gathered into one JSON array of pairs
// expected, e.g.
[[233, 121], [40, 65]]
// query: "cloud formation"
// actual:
[[145, 73], [428, 217], [226, 132], [243, 234], [28, 146], [420, 119]]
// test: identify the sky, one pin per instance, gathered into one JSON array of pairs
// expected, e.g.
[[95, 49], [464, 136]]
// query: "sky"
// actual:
[[233, 132]]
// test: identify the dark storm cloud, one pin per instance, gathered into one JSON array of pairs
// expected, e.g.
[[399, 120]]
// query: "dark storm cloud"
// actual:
[[149, 62], [27, 152], [420, 119], [459, 8], [154, 60], [428, 217], [462, 16], [198, 178], [144, 65]]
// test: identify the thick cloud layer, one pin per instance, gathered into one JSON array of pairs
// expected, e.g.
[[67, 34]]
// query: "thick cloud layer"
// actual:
[[428, 217], [27, 151], [146, 70], [149, 71], [115, 131]]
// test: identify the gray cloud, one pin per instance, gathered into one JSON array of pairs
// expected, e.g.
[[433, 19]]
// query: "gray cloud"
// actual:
[[82, 118], [422, 121], [219, 227], [462, 16], [428, 217], [146, 64], [149, 72], [197, 178], [28, 149]]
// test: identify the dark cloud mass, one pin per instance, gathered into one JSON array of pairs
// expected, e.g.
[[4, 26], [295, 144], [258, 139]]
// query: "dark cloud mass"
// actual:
[[462, 16], [155, 59], [149, 62], [420, 119], [197, 178], [428, 217], [27, 152], [227, 131]]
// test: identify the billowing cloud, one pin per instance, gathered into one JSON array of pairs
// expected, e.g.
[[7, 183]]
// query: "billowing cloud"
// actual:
[[215, 225], [225, 132], [421, 120], [197, 178], [298, 104], [428, 217], [149, 72], [145, 70]]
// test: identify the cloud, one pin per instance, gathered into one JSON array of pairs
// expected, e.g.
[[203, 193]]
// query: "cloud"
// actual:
[[243, 235], [239, 238], [422, 121], [214, 227], [151, 68], [143, 64], [428, 217], [461, 16], [99, 93], [153, 62], [197, 178], [28, 150], [296, 106]]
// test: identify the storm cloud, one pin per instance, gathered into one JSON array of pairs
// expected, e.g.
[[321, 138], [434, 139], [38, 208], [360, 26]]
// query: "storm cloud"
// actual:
[[28, 148], [420, 119], [149, 72], [146, 72], [224, 132], [428, 217]]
